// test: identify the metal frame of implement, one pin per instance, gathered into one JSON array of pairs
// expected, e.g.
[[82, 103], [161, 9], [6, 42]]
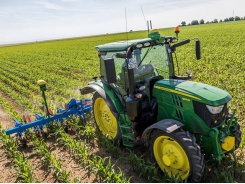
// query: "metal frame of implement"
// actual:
[[74, 107]]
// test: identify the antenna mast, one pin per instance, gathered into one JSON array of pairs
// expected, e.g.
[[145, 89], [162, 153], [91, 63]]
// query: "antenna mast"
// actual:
[[144, 16], [126, 25]]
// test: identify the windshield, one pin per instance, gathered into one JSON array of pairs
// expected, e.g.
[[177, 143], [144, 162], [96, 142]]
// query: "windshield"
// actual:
[[151, 61], [157, 57]]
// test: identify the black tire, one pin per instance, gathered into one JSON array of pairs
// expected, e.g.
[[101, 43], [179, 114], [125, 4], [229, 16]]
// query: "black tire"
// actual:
[[178, 155], [105, 120], [238, 136]]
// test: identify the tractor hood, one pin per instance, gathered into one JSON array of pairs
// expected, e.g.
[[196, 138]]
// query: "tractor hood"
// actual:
[[204, 93]]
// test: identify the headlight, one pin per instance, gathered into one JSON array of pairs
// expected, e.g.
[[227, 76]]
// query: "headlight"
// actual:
[[215, 109]]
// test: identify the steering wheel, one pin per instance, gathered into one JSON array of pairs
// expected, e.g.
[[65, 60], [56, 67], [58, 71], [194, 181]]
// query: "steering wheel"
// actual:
[[161, 70]]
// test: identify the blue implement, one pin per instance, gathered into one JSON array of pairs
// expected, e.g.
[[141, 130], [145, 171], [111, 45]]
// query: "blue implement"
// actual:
[[74, 107]]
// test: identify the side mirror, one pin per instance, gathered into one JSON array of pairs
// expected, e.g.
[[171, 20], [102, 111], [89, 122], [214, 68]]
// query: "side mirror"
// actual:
[[110, 71], [198, 49]]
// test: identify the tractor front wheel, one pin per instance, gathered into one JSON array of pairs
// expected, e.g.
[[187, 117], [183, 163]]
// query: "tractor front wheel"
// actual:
[[178, 155], [105, 120]]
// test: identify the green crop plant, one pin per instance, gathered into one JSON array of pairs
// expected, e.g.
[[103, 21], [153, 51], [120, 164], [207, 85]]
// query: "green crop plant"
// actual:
[[23, 168], [78, 150], [109, 146], [49, 159], [96, 164], [103, 168], [144, 167], [6, 106], [20, 163], [85, 130]]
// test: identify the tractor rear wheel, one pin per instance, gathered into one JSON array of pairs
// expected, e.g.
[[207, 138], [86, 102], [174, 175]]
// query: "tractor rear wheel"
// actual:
[[105, 120], [238, 136], [178, 155]]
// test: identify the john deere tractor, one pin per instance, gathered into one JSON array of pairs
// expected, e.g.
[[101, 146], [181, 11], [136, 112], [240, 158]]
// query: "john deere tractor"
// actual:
[[139, 100]]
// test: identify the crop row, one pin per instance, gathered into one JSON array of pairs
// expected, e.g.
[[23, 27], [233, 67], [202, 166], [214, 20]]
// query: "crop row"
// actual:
[[20, 100], [56, 89], [101, 167], [49, 159], [8, 108], [19, 162]]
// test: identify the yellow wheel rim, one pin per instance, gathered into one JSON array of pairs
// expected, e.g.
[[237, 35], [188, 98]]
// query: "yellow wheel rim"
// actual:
[[171, 157], [105, 120]]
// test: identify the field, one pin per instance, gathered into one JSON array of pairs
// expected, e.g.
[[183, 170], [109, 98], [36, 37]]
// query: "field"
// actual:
[[81, 155]]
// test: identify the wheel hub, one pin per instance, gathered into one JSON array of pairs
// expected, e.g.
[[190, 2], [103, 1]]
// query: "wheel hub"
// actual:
[[168, 159]]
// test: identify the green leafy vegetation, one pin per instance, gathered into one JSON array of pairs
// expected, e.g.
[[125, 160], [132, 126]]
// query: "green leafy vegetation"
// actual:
[[20, 163]]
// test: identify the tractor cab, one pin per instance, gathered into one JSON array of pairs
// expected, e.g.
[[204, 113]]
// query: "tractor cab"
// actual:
[[136, 64], [148, 60]]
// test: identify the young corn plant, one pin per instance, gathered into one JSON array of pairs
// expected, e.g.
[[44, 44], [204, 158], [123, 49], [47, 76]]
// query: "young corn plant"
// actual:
[[145, 168], [84, 130], [76, 147], [50, 160], [148, 169], [20, 163], [23, 168], [103, 168], [109, 146]]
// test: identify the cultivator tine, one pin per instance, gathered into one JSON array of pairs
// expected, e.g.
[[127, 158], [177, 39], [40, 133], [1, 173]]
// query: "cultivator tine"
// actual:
[[26, 119], [43, 132], [22, 140], [50, 111], [19, 133], [66, 107]]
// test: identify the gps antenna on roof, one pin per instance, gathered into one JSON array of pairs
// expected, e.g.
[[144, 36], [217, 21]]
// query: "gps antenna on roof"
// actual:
[[148, 26]]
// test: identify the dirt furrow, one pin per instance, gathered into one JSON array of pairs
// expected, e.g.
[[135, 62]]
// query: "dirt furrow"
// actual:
[[7, 174], [5, 119]]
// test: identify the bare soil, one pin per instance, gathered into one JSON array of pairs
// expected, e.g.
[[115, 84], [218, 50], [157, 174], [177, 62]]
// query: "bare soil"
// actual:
[[5, 119]]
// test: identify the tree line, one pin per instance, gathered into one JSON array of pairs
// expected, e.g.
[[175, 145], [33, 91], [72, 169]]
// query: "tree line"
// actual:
[[196, 22]]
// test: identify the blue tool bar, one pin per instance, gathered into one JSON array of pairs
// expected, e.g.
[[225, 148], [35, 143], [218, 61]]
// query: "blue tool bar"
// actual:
[[75, 107]]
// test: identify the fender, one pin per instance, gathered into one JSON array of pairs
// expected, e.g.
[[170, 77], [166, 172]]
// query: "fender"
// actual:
[[95, 87], [166, 125]]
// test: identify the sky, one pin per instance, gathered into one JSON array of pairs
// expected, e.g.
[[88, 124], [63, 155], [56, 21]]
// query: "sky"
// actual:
[[38, 20]]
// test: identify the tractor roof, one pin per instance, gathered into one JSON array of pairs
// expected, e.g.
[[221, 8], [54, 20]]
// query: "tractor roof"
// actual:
[[123, 45]]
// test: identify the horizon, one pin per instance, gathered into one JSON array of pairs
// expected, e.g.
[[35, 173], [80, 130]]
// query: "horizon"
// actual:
[[78, 37], [35, 21]]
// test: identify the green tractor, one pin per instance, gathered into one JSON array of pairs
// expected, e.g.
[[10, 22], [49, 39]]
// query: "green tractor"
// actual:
[[139, 100]]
